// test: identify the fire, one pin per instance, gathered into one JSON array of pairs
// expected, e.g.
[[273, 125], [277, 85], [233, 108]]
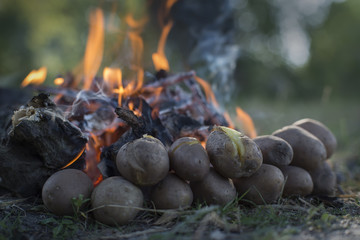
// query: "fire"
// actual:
[[246, 122], [93, 151], [35, 77], [59, 81], [137, 47], [210, 96], [229, 120], [94, 47], [113, 80], [75, 158], [131, 84], [136, 111], [159, 59]]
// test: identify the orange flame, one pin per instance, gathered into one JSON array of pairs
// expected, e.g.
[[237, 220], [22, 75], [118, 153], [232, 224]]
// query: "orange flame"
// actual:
[[35, 77], [210, 96], [246, 122], [229, 120], [75, 158], [136, 111], [169, 4], [113, 80], [159, 59], [135, 24], [92, 158], [58, 81], [137, 47], [94, 47]]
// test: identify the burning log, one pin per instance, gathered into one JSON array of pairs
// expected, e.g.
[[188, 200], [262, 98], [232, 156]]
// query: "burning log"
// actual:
[[40, 141]]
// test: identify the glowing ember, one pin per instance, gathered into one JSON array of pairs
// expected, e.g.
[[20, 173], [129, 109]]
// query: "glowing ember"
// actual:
[[35, 77], [58, 81], [94, 48], [246, 122], [136, 111]]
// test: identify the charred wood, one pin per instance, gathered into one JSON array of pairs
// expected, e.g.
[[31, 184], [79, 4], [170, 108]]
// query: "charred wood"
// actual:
[[40, 142], [140, 125]]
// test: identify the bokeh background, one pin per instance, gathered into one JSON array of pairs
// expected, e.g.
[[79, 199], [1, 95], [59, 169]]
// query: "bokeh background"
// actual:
[[280, 60]]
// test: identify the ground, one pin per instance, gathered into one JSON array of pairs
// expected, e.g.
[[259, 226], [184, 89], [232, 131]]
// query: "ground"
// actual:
[[291, 218]]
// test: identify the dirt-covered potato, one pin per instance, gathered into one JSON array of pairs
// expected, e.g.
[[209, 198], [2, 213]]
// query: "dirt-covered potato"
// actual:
[[214, 189], [275, 151], [116, 201], [324, 180], [320, 131], [144, 162], [233, 154], [61, 187], [309, 151], [297, 181], [263, 187], [172, 193], [189, 159]]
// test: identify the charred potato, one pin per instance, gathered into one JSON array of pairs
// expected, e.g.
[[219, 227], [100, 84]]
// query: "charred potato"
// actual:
[[116, 201], [263, 187], [298, 181], [172, 193], [309, 151], [275, 151], [144, 162], [61, 187], [320, 131], [189, 159], [233, 154], [214, 189]]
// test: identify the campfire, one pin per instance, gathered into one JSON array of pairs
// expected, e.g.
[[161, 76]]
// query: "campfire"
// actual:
[[129, 136]]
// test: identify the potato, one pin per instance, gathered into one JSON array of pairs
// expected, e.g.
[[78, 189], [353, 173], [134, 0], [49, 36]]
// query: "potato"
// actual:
[[189, 159], [214, 189], [144, 162], [297, 181], [233, 154], [263, 187], [309, 152], [62, 186], [324, 180], [116, 191], [172, 193], [320, 131], [275, 151]]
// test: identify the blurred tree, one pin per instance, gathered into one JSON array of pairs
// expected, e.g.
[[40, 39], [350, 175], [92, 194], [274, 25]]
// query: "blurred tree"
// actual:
[[334, 66], [282, 48], [41, 33]]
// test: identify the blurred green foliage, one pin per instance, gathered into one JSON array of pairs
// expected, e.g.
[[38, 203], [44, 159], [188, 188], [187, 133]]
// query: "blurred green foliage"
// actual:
[[335, 49], [53, 33]]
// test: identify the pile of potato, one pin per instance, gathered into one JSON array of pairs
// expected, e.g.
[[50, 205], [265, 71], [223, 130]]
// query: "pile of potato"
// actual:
[[291, 161]]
